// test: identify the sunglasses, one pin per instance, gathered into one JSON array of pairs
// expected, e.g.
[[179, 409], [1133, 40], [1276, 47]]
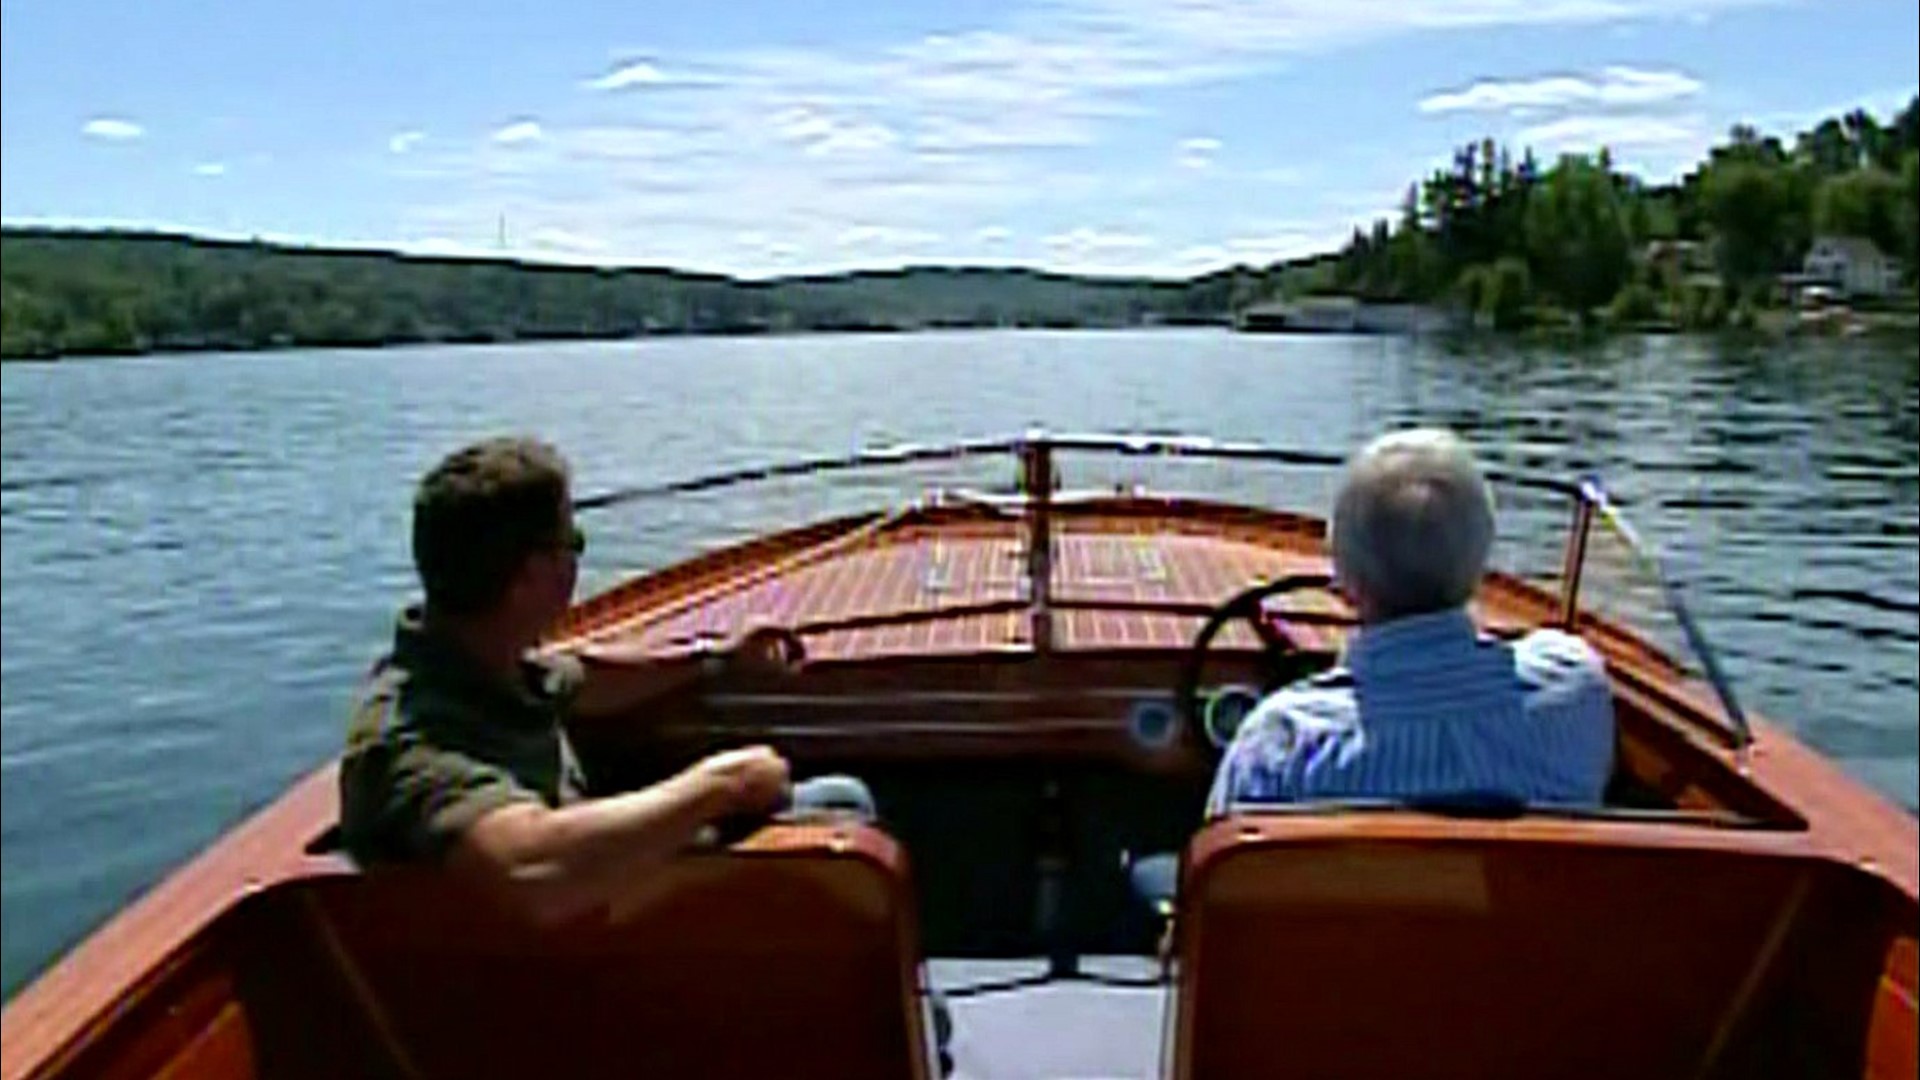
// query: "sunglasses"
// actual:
[[574, 541]]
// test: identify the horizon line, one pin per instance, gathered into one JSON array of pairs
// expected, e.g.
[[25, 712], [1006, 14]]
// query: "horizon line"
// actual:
[[561, 260]]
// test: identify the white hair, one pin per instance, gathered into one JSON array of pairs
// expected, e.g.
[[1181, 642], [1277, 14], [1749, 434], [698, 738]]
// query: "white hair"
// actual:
[[1413, 523]]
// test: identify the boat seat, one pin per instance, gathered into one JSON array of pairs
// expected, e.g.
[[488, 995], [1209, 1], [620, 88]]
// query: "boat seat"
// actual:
[[1409, 945], [1154, 878], [791, 954]]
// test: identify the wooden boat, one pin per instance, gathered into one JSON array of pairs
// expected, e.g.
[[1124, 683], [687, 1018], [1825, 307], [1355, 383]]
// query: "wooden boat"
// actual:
[[1018, 679]]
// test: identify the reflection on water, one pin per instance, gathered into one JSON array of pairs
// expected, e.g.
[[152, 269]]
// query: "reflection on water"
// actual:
[[201, 553]]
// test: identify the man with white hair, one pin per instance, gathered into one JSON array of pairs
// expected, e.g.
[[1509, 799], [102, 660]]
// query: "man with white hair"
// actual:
[[1423, 706]]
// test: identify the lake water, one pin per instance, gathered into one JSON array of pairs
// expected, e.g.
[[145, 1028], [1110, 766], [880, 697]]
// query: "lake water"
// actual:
[[202, 553]]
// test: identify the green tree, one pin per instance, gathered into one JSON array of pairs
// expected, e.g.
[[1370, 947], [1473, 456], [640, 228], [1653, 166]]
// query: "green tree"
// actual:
[[1868, 202], [1634, 305], [1701, 308], [1868, 142], [1744, 203], [1908, 219], [1826, 148], [1906, 127], [1577, 236], [1247, 289], [1508, 300]]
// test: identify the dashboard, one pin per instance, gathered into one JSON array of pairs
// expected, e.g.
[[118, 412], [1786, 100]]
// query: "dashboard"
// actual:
[[1154, 724], [1118, 709]]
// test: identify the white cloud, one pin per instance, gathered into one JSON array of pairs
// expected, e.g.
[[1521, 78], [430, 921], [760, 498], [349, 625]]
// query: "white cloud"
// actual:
[[1278, 246], [628, 75], [403, 141], [603, 146], [1280, 241], [547, 238], [885, 236], [1575, 133], [1227, 28], [1018, 131], [1884, 104], [645, 74], [1283, 175], [854, 139], [518, 132], [822, 134], [851, 153], [1654, 147], [1621, 87], [1098, 251], [113, 128], [801, 124], [1087, 238], [210, 168], [440, 245], [1198, 153]]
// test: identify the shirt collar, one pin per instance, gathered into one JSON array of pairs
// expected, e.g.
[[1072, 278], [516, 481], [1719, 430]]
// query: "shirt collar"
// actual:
[[1411, 642], [423, 652]]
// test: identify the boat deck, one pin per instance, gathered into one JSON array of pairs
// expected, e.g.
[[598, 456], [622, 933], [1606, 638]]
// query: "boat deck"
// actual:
[[1057, 1029], [1113, 584]]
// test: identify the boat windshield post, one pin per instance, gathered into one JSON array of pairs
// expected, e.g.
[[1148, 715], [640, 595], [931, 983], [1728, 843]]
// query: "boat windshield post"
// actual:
[[1595, 496], [1036, 483], [1575, 559]]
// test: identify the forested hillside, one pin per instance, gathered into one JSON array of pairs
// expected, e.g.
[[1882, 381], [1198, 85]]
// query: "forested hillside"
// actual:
[[68, 292]]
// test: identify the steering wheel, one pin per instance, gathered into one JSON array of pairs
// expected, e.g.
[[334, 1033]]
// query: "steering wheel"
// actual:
[[1283, 661]]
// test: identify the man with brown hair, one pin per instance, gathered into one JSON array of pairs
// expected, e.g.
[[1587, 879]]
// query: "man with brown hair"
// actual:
[[456, 754]]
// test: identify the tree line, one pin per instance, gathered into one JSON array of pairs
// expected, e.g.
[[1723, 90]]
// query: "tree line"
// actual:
[[1514, 241], [118, 292], [1496, 234]]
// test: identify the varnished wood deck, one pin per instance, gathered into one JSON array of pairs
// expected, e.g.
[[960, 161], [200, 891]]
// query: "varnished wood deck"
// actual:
[[920, 590]]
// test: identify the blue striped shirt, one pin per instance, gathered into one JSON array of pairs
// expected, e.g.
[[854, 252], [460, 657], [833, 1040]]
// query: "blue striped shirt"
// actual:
[[1426, 707]]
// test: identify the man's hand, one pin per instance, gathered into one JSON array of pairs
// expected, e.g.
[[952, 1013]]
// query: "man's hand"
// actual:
[[766, 650], [752, 780], [622, 676]]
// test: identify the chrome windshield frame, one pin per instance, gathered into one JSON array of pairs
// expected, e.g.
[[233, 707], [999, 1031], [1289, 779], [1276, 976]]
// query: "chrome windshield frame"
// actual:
[[1597, 501], [1036, 453]]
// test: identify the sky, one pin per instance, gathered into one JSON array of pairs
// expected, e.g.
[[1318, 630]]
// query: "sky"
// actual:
[[766, 137]]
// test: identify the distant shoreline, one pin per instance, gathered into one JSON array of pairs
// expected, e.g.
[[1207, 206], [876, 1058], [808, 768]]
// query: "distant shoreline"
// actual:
[[1876, 327], [418, 343], [81, 296], [72, 294]]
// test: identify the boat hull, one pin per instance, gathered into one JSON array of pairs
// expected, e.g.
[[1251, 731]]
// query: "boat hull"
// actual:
[[933, 655]]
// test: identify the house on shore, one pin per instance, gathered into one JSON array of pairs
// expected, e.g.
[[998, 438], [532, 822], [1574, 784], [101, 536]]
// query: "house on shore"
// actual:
[[1679, 258], [1853, 265]]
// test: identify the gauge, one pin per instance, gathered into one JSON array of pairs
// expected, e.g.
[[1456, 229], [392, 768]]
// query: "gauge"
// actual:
[[1226, 709], [1152, 723]]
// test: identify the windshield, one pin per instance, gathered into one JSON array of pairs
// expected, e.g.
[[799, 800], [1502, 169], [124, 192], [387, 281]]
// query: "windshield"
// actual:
[[1572, 540], [1627, 580]]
